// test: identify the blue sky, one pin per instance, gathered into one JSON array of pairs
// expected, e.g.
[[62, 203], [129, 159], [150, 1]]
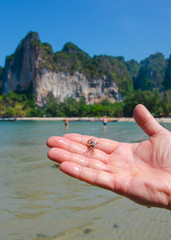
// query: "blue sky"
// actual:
[[133, 29]]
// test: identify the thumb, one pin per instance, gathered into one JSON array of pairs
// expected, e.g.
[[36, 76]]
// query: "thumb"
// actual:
[[146, 121]]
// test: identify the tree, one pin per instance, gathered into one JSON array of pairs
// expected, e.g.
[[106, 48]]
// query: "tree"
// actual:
[[150, 99], [151, 73], [166, 103], [52, 108], [167, 80], [69, 107]]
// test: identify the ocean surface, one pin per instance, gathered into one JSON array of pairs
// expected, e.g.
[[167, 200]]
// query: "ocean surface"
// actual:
[[37, 201]]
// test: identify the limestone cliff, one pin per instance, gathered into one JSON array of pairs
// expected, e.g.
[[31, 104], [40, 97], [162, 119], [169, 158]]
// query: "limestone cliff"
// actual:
[[63, 85], [20, 68], [69, 73]]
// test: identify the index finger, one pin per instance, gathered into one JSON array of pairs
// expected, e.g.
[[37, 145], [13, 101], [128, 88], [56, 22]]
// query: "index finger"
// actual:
[[103, 144], [75, 147]]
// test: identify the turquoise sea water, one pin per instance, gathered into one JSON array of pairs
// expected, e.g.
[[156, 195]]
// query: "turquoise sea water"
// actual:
[[37, 201]]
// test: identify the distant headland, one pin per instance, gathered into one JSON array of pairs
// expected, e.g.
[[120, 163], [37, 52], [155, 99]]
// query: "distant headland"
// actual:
[[72, 74]]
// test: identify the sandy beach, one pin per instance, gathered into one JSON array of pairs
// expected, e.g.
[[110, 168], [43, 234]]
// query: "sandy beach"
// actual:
[[91, 119]]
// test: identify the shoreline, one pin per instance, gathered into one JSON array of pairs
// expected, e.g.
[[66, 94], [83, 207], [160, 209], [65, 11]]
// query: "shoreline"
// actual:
[[81, 119]]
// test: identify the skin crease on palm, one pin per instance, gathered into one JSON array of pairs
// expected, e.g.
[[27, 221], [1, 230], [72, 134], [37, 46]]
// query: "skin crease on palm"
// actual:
[[138, 171]]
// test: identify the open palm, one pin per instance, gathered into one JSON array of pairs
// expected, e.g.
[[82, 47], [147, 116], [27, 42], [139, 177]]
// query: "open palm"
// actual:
[[139, 171]]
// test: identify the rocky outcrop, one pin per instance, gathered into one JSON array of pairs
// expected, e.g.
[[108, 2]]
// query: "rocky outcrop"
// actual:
[[63, 85], [20, 68], [73, 73], [31, 66]]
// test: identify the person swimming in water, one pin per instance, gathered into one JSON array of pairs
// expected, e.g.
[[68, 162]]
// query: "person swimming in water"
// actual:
[[105, 120], [66, 123]]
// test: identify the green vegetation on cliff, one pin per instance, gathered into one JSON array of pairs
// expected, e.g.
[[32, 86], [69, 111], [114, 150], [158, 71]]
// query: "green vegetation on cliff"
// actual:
[[167, 79], [152, 73], [72, 59], [147, 82]]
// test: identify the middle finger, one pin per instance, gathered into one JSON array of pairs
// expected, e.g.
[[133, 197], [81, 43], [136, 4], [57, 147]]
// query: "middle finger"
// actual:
[[78, 148]]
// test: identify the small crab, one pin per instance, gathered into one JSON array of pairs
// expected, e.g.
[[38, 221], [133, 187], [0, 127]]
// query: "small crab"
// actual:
[[91, 144]]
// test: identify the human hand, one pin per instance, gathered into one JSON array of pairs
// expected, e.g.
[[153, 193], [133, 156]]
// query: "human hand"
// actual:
[[138, 171]]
